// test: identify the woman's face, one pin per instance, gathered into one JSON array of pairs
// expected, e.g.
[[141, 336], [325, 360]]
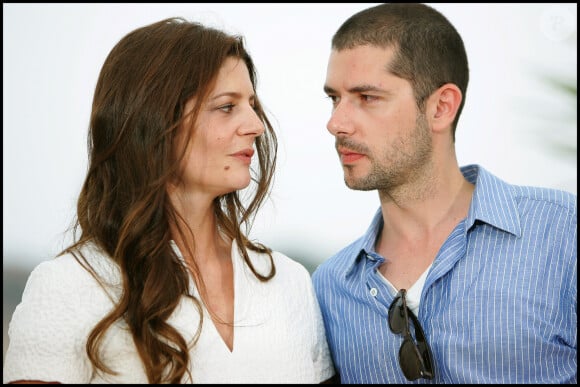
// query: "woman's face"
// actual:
[[221, 148]]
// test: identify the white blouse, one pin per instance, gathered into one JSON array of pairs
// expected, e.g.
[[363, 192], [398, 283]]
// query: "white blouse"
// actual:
[[278, 336]]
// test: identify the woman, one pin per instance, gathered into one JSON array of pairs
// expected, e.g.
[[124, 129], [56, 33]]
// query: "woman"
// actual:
[[162, 284]]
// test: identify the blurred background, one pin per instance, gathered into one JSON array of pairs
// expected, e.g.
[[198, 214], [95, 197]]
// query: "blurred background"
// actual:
[[520, 118]]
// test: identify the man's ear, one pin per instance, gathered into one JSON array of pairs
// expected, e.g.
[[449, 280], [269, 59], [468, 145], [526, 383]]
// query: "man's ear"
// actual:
[[442, 106]]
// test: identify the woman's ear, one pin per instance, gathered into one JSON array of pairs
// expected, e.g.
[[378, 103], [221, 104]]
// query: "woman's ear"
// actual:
[[442, 106]]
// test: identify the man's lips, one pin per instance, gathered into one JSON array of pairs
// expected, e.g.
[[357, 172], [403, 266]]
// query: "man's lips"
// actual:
[[348, 156]]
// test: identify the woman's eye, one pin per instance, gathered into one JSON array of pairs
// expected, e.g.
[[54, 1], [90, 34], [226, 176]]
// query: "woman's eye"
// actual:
[[226, 108]]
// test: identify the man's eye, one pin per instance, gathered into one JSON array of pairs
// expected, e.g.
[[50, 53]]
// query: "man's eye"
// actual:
[[333, 99], [368, 98]]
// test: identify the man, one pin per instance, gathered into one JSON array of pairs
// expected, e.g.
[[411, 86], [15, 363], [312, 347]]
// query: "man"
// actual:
[[461, 277]]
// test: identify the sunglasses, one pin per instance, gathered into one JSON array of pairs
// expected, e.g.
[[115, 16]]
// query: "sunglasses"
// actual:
[[414, 357]]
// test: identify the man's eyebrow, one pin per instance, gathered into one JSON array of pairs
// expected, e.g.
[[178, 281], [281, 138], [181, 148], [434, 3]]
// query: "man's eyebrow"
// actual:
[[365, 88], [329, 90], [356, 89]]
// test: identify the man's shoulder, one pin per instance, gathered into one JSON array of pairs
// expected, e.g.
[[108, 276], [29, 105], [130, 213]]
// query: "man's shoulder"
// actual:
[[522, 193], [532, 200], [554, 196]]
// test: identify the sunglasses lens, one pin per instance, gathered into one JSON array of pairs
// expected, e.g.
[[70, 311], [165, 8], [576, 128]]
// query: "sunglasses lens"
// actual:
[[414, 358], [410, 360], [397, 321]]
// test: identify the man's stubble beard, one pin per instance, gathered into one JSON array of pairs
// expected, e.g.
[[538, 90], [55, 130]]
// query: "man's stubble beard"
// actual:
[[403, 161]]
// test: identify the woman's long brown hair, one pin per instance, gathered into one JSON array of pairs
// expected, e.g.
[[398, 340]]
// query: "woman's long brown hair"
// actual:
[[124, 208]]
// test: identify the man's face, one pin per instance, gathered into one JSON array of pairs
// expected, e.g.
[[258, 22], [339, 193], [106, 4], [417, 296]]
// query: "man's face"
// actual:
[[381, 137]]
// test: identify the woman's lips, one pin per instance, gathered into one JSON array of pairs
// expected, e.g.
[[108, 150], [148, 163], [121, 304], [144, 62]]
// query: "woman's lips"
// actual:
[[244, 156]]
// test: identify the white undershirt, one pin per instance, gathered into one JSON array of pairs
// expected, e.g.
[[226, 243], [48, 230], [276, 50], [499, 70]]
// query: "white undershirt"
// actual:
[[413, 293]]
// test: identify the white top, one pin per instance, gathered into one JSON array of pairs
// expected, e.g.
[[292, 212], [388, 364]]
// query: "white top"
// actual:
[[278, 336]]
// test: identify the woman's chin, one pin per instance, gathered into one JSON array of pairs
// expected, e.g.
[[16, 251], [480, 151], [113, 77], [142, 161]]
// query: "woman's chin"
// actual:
[[239, 184]]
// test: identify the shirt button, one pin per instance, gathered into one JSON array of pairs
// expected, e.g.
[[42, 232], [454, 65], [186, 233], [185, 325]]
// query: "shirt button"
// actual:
[[374, 292]]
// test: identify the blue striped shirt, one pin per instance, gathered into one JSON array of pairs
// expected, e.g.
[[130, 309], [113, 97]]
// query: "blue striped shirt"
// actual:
[[499, 304]]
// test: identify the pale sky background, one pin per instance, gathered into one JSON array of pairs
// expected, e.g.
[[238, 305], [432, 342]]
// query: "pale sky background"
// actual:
[[52, 54]]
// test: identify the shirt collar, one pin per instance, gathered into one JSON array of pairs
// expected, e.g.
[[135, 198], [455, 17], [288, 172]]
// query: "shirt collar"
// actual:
[[493, 203], [365, 245]]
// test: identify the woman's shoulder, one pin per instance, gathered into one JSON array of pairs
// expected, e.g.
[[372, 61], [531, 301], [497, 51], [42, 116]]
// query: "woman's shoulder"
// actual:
[[289, 264], [283, 262], [290, 272], [87, 269], [61, 303]]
